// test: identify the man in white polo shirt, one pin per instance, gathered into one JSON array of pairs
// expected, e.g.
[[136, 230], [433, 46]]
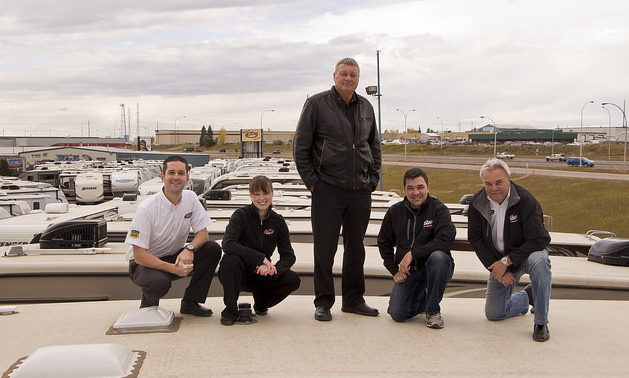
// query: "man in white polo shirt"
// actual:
[[158, 234]]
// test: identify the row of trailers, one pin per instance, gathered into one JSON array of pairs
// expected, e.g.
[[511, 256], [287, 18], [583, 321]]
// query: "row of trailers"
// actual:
[[90, 185]]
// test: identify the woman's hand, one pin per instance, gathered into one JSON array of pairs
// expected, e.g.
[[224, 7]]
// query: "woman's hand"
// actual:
[[266, 269]]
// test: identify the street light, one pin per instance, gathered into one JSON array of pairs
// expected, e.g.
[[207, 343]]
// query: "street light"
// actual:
[[609, 133], [495, 132], [176, 119], [582, 135], [374, 90], [441, 124], [552, 141], [268, 110], [405, 131], [624, 125]]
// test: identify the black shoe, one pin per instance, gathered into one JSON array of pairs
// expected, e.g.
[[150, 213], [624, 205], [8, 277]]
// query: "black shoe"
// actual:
[[227, 321], [193, 308], [529, 291], [540, 332], [260, 311], [361, 309], [323, 314]]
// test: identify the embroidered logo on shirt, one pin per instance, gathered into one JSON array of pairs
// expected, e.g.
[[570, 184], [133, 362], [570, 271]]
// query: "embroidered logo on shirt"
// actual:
[[189, 215], [269, 231], [513, 218], [428, 223], [134, 234]]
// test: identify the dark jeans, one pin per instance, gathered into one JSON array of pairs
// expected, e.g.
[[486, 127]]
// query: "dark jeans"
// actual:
[[156, 283], [423, 289], [267, 291], [333, 207]]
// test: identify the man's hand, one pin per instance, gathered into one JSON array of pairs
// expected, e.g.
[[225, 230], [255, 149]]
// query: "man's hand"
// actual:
[[405, 264], [185, 257], [182, 270], [399, 277], [501, 274]]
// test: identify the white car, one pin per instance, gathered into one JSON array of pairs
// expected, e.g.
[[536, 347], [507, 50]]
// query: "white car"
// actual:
[[504, 155], [556, 157]]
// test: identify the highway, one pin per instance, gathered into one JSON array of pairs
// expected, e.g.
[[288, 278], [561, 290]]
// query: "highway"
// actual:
[[537, 166]]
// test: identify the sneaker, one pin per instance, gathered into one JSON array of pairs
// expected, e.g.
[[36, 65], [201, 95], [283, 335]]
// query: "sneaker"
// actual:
[[434, 321]]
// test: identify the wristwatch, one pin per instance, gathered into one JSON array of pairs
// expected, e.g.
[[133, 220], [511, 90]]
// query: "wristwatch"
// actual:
[[190, 248], [505, 261]]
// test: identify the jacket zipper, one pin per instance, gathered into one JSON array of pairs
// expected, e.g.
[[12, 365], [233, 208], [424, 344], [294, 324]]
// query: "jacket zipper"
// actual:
[[322, 150]]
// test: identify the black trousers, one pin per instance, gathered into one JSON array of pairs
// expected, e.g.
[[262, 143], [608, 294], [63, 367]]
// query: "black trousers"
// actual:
[[333, 207], [156, 283], [267, 291]]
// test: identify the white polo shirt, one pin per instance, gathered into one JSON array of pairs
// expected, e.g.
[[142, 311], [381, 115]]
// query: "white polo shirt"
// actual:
[[161, 227]]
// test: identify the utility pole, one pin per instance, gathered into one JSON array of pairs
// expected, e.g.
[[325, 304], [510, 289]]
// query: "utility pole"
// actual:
[[123, 123]]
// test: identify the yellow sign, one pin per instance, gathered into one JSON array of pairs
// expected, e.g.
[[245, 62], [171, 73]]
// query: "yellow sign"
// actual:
[[251, 135]]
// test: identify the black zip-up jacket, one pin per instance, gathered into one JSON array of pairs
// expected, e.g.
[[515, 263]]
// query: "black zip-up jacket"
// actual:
[[422, 232], [253, 240], [326, 148], [524, 231]]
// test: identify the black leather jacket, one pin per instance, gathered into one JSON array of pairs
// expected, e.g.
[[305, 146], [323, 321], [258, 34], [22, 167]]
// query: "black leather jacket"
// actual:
[[326, 148]]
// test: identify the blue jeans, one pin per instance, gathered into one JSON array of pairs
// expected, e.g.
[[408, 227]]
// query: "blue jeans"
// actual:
[[423, 289], [501, 303]]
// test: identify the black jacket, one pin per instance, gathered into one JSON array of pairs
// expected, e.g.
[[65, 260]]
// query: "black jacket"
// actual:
[[253, 240], [524, 231], [326, 148], [422, 232]]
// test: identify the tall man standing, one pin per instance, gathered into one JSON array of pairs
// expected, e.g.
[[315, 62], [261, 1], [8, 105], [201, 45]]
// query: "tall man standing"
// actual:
[[157, 236], [337, 153], [414, 241], [506, 229]]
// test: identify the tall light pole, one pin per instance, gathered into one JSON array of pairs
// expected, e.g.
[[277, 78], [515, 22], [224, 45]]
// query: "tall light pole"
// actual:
[[624, 125], [441, 124], [495, 132], [609, 133], [405, 130], [375, 92], [582, 135], [268, 110], [176, 119]]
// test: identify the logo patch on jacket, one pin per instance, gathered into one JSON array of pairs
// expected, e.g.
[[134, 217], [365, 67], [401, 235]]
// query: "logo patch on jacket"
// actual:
[[189, 215], [134, 234], [269, 231], [428, 223], [513, 218]]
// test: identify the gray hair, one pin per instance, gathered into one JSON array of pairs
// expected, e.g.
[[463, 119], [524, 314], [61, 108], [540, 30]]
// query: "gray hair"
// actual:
[[348, 62], [495, 163]]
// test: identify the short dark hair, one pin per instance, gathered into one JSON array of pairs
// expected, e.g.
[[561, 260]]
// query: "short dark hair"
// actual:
[[260, 184], [176, 158], [414, 173]]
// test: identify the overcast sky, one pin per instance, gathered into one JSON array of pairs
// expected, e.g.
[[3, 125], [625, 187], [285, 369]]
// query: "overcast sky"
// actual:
[[225, 62]]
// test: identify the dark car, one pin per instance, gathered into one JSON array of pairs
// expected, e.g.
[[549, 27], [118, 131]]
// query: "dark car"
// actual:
[[222, 150], [580, 161], [465, 199]]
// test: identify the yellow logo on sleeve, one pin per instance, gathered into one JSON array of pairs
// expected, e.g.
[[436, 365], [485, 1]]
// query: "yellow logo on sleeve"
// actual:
[[134, 234]]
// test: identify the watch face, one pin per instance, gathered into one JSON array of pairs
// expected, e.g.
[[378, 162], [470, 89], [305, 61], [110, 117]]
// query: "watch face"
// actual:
[[190, 247]]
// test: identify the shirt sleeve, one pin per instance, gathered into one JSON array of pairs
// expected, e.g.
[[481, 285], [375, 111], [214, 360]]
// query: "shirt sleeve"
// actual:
[[139, 232]]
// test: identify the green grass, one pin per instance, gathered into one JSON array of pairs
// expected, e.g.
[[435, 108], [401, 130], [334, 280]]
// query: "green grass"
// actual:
[[575, 205]]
